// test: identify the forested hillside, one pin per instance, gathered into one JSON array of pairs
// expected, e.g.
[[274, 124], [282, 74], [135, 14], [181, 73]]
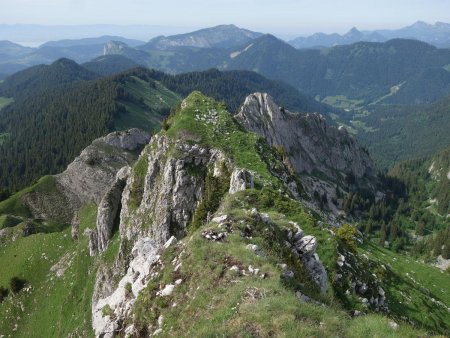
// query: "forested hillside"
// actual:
[[416, 204], [58, 110], [394, 133]]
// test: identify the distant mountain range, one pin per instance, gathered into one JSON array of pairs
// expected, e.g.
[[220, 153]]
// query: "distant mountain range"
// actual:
[[437, 35]]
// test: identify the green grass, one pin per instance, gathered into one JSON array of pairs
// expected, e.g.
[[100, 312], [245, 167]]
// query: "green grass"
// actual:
[[214, 301], [410, 287], [8, 221], [15, 205], [343, 102], [4, 101], [54, 306], [147, 107], [139, 173]]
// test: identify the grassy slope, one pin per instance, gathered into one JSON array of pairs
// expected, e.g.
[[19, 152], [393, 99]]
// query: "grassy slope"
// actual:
[[150, 111], [4, 101], [14, 205], [54, 306], [216, 301], [411, 286], [195, 123]]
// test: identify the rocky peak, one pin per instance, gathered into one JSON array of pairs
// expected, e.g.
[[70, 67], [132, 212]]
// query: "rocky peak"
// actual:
[[313, 147], [114, 47]]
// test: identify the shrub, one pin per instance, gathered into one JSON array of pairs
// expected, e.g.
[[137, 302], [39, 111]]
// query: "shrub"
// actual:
[[346, 234], [16, 284], [107, 311], [3, 293], [128, 289]]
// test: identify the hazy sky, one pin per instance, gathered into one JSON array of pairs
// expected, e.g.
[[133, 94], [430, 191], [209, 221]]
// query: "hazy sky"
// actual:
[[297, 17]]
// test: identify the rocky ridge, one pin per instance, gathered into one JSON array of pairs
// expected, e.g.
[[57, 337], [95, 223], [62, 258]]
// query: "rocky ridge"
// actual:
[[88, 177], [319, 153], [161, 197]]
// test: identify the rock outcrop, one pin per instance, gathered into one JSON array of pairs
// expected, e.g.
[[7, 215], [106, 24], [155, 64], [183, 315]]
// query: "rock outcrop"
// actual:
[[92, 173], [312, 146], [161, 200], [107, 213], [304, 247], [240, 180], [87, 178], [107, 312]]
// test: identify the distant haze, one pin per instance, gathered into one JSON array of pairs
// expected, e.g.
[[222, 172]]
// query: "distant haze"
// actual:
[[285, 18]]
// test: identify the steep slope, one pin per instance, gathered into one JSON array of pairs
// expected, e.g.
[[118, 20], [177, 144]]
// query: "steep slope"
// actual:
[[327, 156], [207, 238], [400, 132], [42, 248], [428, 180], [223, 36], [268, 56]]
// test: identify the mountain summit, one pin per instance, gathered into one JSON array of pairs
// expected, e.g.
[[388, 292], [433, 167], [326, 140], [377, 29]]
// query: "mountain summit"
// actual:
[[223, 36]]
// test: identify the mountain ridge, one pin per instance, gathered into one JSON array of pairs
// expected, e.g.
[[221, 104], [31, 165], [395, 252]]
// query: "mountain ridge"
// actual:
[[436, 35]]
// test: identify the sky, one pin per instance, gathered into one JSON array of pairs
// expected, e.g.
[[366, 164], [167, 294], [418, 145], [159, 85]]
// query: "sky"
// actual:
[[282, 17]]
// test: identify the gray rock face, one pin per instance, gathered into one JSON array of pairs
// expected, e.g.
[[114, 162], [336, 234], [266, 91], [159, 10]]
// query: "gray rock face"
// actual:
[[132, 139], [310, 143], [169, 190], [160, 197], [107, 213], [91, 174], [88, 177], [121, 299], [304, 247], [240, 180]]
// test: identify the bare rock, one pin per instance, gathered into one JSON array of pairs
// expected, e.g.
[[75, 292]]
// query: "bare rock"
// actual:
[[107, 212], [241, 179]]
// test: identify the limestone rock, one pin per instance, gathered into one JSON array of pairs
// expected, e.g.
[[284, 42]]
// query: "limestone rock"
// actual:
[[307, 245], [144, 256], [311, 145], [91, 174], [240, 180], [317, 145], [107, 212], [131, 140], [168, 192]]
